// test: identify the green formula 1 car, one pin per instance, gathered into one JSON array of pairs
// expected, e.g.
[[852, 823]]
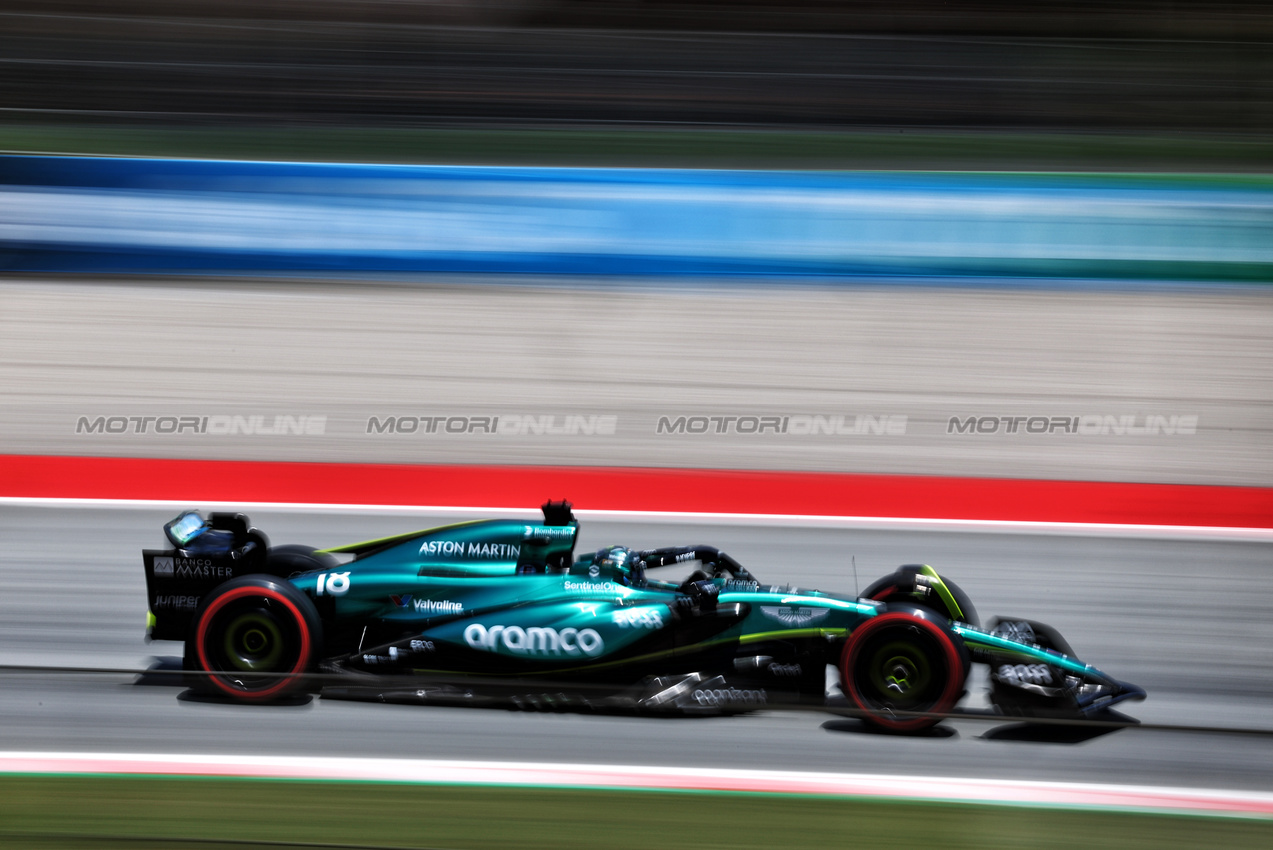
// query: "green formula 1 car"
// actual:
[[502, 610]]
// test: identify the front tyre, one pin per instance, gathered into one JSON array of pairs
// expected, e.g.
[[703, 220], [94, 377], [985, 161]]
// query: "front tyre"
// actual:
[[249, 628], [902, 661]]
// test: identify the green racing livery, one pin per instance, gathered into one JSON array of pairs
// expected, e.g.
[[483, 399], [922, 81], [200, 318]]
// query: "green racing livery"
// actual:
[[503, 611]]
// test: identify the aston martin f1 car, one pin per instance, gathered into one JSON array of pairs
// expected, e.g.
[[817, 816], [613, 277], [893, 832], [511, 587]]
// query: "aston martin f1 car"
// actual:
[[503, 610]]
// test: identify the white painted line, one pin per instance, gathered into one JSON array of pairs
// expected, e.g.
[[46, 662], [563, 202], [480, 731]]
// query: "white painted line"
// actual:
[[924, 788], [984, 526]]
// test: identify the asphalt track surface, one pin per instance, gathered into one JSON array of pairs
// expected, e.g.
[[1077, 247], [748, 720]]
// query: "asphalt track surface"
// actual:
[[1185, 619]]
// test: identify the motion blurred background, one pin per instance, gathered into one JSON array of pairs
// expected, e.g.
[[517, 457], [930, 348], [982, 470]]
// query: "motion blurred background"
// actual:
[[854, 282], [997, 83], [899, 214]]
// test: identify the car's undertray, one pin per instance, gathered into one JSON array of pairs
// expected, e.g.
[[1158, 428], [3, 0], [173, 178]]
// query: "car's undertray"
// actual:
[[685, 694]]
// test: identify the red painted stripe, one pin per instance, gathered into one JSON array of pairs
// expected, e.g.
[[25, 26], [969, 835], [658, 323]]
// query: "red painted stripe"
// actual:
[[637, 489]]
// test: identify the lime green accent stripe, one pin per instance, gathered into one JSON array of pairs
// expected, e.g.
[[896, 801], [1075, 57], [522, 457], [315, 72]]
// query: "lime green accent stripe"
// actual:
[[673, 652], [666, 653], [792, 633], [943, 592], [395, 538]]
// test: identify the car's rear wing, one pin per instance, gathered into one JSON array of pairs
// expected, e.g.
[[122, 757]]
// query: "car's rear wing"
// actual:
[[177, 579]]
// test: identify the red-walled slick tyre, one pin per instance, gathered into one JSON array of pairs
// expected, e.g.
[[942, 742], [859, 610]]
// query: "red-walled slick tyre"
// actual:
[[900, 661], [249, 628]]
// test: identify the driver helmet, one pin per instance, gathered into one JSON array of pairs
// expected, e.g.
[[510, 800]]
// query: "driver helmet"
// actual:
[[620, 563]]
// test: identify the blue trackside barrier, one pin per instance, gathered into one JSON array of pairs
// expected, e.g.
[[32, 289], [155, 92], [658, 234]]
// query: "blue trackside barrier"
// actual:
[[80, 214]]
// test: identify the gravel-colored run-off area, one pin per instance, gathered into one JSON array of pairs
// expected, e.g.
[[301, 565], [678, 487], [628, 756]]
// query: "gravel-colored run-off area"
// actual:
[[1169, 385]]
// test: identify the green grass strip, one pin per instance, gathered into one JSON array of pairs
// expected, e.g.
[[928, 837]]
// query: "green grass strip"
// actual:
[[645, 147], [83, 812]]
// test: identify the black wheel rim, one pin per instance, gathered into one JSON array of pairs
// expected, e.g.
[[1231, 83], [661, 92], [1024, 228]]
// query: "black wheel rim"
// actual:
[[249, 640], [900, 669]]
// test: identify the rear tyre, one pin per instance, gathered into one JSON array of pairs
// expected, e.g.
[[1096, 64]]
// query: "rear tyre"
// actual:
[[902, 661], [249, 628]]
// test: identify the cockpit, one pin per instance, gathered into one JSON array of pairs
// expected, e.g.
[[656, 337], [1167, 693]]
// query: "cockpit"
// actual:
[[612, 563]]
